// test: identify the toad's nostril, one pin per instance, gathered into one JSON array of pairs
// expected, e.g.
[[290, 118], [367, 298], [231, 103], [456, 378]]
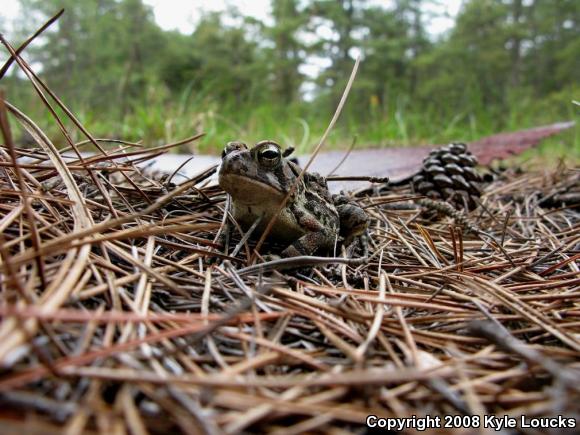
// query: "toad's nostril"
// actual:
[[234, 164]]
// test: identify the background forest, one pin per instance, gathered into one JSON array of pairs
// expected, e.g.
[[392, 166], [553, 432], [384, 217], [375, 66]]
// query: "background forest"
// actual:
[[504, 65]]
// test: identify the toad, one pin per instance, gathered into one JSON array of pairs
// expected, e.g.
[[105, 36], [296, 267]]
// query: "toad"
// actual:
[[312, 221]]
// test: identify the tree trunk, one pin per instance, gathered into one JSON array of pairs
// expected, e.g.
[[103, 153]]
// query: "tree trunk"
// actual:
[[516, 58]]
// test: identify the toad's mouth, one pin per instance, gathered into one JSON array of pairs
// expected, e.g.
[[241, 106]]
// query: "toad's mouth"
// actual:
[[248, 190]]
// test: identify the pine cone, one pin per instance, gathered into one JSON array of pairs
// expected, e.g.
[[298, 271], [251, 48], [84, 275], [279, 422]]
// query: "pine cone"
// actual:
[[449, 174]]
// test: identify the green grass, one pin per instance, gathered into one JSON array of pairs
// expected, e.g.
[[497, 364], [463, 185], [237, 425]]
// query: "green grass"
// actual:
[[157, 122]]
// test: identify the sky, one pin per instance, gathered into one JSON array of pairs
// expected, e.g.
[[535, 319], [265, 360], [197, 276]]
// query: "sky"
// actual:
[[183, 14]]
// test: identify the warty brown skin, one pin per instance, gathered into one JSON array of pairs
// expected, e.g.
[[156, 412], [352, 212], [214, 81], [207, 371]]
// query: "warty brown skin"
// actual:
[[258, 180]]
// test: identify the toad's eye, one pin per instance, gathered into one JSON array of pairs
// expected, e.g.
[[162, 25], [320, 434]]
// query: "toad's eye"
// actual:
[[270, 155], [233, 146]]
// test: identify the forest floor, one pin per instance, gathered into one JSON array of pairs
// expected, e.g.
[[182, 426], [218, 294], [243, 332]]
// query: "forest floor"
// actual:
[[121, 312]]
